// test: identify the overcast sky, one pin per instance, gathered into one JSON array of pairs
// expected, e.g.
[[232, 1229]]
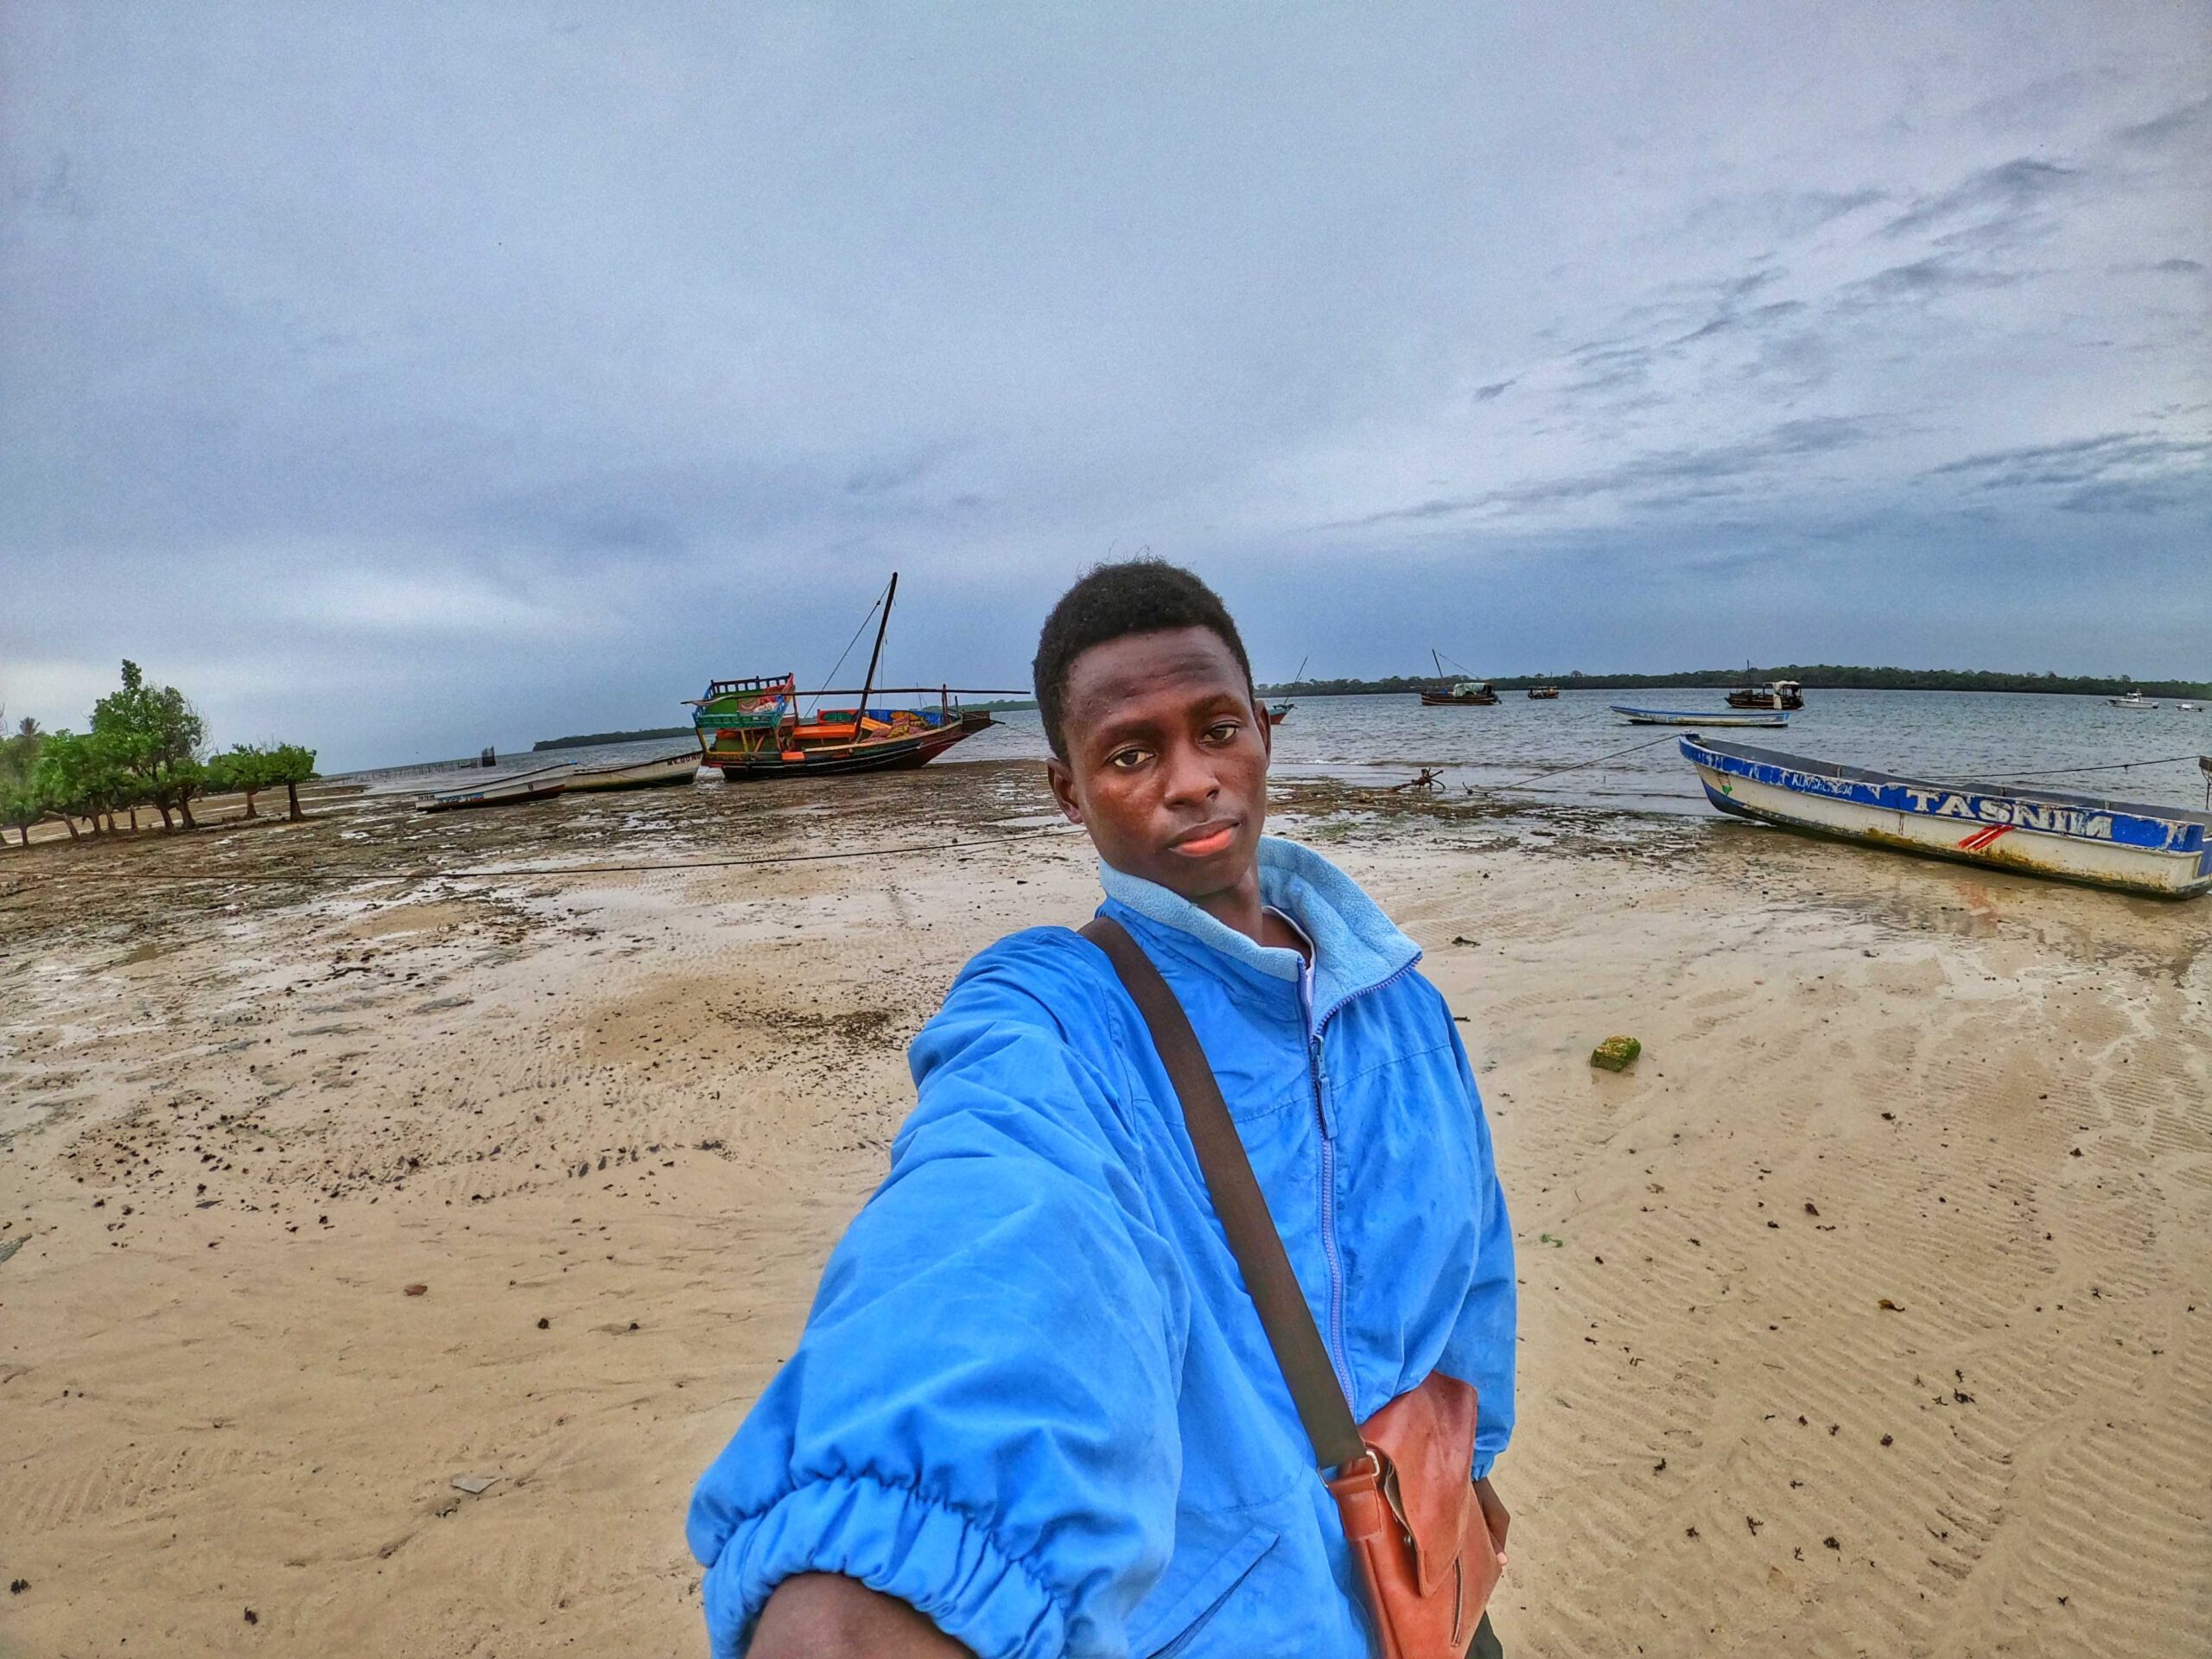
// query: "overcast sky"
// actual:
[[402, 379]]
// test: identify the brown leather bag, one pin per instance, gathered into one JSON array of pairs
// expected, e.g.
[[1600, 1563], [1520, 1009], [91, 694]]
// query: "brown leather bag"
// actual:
[[1404, 1480]]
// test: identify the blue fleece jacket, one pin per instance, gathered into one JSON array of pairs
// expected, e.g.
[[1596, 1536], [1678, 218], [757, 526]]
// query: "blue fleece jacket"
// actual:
[[1033, 1398]]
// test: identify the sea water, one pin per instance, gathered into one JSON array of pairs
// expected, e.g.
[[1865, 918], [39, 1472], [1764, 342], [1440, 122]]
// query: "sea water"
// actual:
[[1577, 751], [1944, 735]]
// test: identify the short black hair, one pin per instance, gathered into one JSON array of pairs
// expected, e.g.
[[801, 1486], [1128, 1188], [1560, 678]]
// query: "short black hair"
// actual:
[[1144, 596]]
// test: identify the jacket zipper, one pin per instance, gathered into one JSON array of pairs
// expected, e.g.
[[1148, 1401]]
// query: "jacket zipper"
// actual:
[[1317, 1066]]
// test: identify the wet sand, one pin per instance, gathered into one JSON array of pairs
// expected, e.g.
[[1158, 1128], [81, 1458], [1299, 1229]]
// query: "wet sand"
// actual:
[[610, 1125]]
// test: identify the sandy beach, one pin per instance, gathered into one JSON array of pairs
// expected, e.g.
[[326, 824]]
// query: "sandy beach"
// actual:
[[1868, 1313]]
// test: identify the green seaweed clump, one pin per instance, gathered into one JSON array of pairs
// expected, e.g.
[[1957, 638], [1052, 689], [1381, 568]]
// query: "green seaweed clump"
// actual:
[[1616, 1053]]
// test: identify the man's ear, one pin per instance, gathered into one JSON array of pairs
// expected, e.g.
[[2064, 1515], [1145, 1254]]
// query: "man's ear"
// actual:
[[1061, 776], [1266, 727]]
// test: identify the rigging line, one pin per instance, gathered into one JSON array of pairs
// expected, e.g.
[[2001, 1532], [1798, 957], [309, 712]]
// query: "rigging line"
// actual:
[[368, 878], [1579, 765], [844, 653], [2053, 771]]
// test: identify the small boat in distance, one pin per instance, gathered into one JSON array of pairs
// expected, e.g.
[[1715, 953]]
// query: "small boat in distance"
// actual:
[[2161, 850], [1543, 694], [752, 728], [1461, 694], [535, 785], [1775, 694], [1471, 694], [1279, 711], [656, 773], [2132, 700], [1636, 716]]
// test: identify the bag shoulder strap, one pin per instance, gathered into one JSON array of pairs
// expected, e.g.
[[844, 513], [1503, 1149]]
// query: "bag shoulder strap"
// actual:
[[1239, 1203]]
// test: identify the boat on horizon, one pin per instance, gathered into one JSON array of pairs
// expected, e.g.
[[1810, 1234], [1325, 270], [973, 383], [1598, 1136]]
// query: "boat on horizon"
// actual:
[[2163, 851], [1636, 716], [1279, 711], [1775, 694], [752, 728], [1543, 694], [1462, 694], [542, 783], [2132, 700]]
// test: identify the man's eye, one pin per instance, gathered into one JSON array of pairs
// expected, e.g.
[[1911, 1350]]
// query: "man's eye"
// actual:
[[1127, 760], [1225, 731]]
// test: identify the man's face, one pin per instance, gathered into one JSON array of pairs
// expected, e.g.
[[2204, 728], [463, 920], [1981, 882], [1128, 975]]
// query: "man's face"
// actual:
[[1167, 760]]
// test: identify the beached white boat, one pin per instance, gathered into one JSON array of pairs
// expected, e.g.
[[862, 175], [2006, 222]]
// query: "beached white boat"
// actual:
[[656, 773], [2132, 700], [539, 785], [2161, 850], [1769, 717]]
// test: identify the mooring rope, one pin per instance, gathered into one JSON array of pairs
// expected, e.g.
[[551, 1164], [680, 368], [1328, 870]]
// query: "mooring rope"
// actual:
[[1519, 783]]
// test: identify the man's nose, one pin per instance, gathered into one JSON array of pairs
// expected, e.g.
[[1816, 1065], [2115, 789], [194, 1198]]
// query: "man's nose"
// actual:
[[1191, 775]]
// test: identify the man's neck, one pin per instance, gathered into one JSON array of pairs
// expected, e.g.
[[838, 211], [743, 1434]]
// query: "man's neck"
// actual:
[[1241, 909]]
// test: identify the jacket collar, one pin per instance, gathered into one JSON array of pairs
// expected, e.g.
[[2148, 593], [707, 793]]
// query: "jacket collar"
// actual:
[[1356, 946]]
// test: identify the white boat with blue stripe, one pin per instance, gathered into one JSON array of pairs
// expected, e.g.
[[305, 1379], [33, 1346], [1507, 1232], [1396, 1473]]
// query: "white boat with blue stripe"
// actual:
[[1700, 717], [2161, 850]]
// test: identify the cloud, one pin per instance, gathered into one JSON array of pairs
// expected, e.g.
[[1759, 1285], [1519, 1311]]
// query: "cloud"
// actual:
[[2176, 127], [451, 366], [1990, 208], [1657, 480], [2135, 472], [1927, 279]]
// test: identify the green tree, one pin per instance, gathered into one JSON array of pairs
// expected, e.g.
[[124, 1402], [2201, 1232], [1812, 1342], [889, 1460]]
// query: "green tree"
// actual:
[[290, 765], [245, 768], [65, 778], [21, 804], [157, 736], [110, 787]]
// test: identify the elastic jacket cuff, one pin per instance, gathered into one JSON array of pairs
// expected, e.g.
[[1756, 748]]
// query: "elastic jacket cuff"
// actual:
[[893, 1540]]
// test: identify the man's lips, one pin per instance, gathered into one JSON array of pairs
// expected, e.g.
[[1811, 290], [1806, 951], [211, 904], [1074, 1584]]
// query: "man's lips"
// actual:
[[1205, 840]]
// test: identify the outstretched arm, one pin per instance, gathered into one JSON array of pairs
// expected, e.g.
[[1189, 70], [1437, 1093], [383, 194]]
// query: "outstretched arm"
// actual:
[[979, 1423]]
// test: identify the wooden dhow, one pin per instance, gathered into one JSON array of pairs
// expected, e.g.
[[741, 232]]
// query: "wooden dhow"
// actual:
[[753, 728], [2163, 851], [1462, 694]]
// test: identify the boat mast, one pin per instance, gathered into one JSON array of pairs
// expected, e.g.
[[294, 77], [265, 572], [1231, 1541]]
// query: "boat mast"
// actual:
[[1438, 660], [860, 719]]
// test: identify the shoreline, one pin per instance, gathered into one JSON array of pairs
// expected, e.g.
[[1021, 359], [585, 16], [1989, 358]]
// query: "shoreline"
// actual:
[[638, 1105]]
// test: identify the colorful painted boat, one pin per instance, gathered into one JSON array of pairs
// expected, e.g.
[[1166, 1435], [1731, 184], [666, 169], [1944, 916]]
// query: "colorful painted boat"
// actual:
[[2161, 850], [1634, 716], [658, 773], [751, 729], [542, 783], [1278, 712]]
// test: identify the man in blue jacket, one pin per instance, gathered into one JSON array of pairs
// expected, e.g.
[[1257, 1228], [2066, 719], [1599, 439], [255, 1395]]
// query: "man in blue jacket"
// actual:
[[1034, 1411]]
